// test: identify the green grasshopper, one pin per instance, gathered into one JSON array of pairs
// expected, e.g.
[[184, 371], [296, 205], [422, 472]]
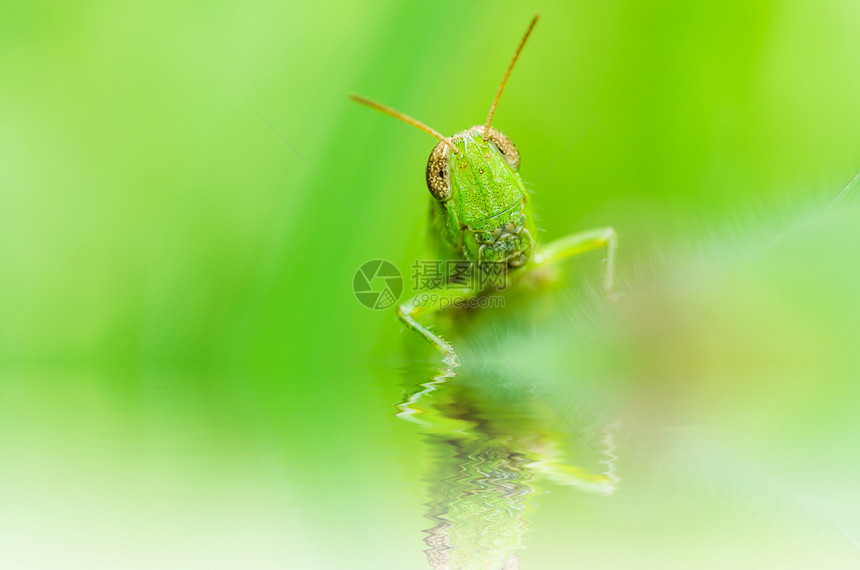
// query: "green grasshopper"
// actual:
[[483, 212]]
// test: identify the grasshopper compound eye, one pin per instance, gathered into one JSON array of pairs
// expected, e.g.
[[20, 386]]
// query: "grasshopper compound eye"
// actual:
[[438, 181], [505, 146]]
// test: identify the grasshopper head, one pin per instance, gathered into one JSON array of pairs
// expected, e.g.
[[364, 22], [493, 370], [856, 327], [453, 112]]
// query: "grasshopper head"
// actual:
[[469, 148], [481, 204], [480, 195]]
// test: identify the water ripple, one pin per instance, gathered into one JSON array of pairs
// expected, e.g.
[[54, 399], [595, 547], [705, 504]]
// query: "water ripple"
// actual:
[[490, 448]]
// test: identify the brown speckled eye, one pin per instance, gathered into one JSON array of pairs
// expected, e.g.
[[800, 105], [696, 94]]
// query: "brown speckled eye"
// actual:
[[437, 172], [506, 147]]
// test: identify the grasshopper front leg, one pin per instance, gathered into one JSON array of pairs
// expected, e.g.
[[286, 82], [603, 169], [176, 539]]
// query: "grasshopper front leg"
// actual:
[[429, 302], [576, 244]]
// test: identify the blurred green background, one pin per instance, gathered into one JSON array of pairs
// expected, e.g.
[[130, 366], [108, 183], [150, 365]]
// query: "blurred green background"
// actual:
[[175, 279]]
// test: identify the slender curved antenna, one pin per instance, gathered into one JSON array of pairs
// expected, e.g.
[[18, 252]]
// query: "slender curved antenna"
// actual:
[[508, 74], [405, 118]]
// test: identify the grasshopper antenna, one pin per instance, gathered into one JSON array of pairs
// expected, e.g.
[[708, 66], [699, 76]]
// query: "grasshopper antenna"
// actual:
[[508, 74], [403, 117]]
